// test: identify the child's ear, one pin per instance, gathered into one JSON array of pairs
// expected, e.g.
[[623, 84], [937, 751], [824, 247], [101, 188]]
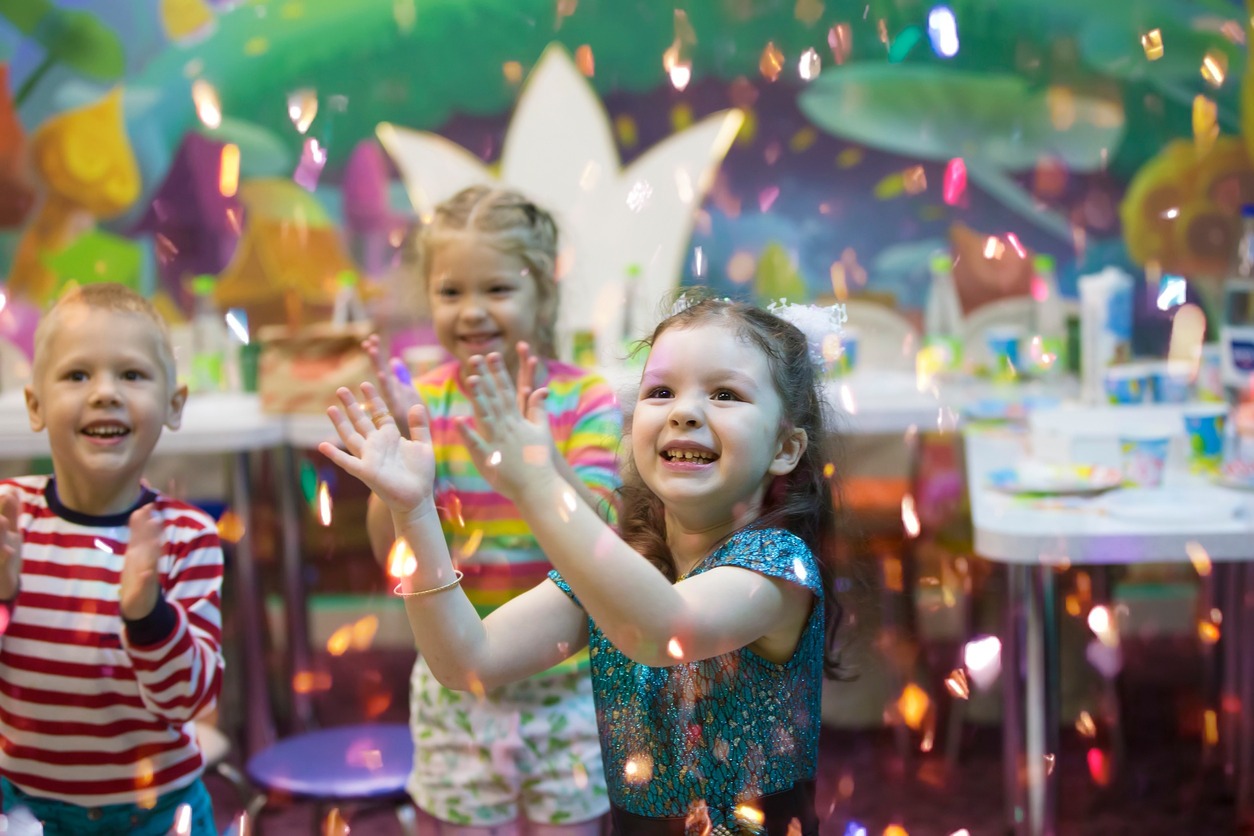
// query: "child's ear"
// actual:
[[791, 446], [174, 418], [33, 411]]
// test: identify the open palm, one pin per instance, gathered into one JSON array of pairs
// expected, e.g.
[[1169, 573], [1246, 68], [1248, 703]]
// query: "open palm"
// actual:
[[398, 470]]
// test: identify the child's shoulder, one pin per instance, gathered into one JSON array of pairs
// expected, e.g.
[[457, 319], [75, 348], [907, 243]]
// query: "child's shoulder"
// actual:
[[771, 551], [25, 486], [564, 377], [178, 514]]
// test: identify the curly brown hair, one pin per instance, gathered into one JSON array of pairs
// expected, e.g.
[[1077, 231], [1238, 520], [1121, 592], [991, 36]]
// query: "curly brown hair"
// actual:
[[803, 501]]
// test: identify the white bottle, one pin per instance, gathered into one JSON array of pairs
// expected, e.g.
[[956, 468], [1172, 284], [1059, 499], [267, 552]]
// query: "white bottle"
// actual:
[[942, 316], [1049, 320]]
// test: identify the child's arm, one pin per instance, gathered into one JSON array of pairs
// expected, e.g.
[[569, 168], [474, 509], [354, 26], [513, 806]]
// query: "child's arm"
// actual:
[[529, 634], [173, 636], [639, 610]]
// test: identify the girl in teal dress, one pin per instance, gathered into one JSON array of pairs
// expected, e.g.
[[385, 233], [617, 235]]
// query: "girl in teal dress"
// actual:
[[710, 615]]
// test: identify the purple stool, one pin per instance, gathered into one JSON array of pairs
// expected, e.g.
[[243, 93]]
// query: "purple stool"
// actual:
[[361, 765]]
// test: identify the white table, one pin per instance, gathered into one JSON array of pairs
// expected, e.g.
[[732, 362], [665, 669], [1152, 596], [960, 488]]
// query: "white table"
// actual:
[[1033, 538]]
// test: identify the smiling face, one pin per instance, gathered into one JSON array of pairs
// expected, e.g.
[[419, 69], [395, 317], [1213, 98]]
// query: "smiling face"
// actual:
[[102, 388], [707, 431], [482, 299]]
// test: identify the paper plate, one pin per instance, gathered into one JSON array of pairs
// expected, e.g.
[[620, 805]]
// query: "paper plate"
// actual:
[[1056, 479], [1172, 505]]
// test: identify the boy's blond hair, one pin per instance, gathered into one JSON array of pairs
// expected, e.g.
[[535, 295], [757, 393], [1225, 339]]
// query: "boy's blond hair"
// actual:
[[113, 298]]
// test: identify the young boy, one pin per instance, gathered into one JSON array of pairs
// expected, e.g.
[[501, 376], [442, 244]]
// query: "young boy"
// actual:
[[112, 639]]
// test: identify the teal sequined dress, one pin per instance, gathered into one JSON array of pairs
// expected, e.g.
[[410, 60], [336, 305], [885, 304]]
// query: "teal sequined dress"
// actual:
[[724, 730]]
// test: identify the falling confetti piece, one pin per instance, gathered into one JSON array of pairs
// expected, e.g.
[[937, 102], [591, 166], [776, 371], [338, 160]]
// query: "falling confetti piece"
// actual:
[[513, 72], [954, 185], [808, 11], [1152, 43], [802, 140], [313, 158], [228, 170], [256, 46], [681, 117], [1099, 766], [638, 769], [890, 568], [230, 527], [748, 128], [772, 61], [1085, 726], [913, 705], [1215, 67], [829, 470], [1198, 557], [1205, 122], [208, 107], [914, 180], [324, 504], [957, 684], [585, 61], [895, 830], [1208, 632], [809, 65], [302, 107], [891, 186], [849, 157], [840, 41], [1210, 727], [307, 682], [674, 650], [472, 544], [909, 516], [767, 198], [625, 128]]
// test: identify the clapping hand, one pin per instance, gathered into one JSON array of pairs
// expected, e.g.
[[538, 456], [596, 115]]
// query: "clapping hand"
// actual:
[[398, 470], [395, 386], [10, 548], [140, 585], [511, 443]]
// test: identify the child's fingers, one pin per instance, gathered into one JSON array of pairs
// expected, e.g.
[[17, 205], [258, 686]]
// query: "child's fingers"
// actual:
[[344, 427], [479, 448], [347, 462], [419, 426], [535, 405]]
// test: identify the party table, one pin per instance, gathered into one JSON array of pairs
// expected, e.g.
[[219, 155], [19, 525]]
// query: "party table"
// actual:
[[1193, 520]]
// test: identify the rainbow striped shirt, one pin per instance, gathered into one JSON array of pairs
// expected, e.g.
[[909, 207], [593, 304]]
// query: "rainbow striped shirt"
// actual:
[[487, 538]]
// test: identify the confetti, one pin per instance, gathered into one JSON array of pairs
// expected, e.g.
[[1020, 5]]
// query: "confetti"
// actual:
[[208, 107], [1215, 67], [808, 11], [1152, 43], [810, 65], [772, 61], [840, 41]]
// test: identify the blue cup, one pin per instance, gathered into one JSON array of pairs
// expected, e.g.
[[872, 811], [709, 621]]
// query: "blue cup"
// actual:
[[1128, 384], [1173, 382], [1205, 427]]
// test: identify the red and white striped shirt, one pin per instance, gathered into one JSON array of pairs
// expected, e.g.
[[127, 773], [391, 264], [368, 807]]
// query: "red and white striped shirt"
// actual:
[[94, 710]]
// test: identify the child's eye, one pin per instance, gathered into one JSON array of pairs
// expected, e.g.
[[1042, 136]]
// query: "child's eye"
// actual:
[[447, 292], [134, 374], [726, 395], [501, 290], [659, 392], [76, 376]]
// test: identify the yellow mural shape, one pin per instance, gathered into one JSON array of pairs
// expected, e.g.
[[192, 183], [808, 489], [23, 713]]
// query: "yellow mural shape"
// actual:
[[87, 171]]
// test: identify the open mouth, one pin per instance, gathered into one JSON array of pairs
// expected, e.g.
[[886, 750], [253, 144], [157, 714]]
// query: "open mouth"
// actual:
[[694, 456], [106, 431]]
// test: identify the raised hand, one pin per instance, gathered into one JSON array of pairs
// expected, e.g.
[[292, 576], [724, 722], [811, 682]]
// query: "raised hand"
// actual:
[[10, 548], [140, 585], [394, 383], [511, 443], [400, 471]]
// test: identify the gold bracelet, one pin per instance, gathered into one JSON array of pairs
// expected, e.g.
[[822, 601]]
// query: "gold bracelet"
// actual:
[[456, 580]]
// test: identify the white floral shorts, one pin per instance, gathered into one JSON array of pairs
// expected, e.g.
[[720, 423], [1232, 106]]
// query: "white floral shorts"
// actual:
[[529, 748]]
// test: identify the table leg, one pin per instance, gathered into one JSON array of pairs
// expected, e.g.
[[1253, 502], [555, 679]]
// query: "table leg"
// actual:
[[1245, 695], [1231, 727], [1012, 698], [295, 600], [258, 713], [1041, 700]]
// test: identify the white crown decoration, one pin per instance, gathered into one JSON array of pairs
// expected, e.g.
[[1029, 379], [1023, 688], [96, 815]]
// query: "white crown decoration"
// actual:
[[559, 151], [821, 325]]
